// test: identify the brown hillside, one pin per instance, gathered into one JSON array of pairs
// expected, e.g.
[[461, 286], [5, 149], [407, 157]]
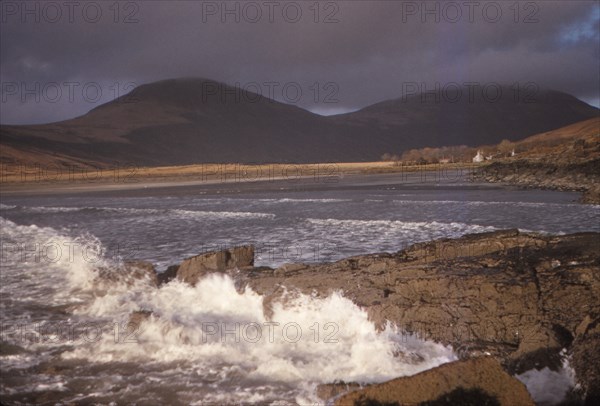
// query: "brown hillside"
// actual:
[[190, 121]]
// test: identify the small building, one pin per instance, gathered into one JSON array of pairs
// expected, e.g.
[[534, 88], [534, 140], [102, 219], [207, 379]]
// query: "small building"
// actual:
[[479, 157]]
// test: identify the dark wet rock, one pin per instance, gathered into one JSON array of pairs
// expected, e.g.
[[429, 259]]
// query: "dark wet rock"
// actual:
[[550, 357], [129, 272], [478, 381], [194, 268], [520, 297], [585, 358], [168, 275]]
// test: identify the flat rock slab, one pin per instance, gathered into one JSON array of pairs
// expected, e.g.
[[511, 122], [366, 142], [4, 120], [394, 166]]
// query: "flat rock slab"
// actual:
[[462, 382], [193, 269]]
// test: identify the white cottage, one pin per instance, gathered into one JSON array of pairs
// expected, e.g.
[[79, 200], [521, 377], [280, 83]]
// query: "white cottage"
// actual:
[[479, 157]]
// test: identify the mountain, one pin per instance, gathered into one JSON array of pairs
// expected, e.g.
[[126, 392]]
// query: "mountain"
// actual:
[[186, 121], [422, 121]]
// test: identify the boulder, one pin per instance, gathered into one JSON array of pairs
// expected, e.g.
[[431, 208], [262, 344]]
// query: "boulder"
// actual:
[[477, 381], [193, 269], [168, 275], [141, 269], [129, 272]]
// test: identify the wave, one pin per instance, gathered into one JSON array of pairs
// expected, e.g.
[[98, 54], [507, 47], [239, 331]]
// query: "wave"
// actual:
[[217, 338], [45, 209], [400, 225], [487, 203], [215, 328], [139, 211], [305, 340], [382, 235], [223, 214], [47, 263], [289, 200]]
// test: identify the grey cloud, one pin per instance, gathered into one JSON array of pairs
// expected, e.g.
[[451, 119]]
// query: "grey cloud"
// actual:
[[369, 53]]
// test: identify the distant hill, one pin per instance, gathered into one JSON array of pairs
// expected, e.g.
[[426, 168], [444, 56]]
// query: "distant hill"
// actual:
[[576, 142], [421, 121], [186, 121], [565, 159]]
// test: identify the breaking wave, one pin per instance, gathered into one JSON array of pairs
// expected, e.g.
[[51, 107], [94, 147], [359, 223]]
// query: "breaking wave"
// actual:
[[213, 333]]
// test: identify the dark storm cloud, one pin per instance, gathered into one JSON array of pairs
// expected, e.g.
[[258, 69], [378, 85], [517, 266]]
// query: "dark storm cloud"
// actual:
[[367, 49]]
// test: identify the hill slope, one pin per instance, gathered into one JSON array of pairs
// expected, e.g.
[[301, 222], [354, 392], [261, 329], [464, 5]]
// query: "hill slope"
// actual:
[[422, 121], [186, 121], [566, 159]]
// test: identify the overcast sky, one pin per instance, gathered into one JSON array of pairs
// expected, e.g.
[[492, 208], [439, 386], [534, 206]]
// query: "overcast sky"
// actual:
[[354, 53]]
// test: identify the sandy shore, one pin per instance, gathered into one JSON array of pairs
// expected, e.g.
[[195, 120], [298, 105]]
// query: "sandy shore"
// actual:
[[233, 178]]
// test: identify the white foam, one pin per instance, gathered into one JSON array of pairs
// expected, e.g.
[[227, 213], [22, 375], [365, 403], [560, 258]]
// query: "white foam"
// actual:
[[314, 340], [173, 212], [49, 209], [289, 200], [306, 340], [280, 200], [222, 214], [549, 387], [488, 203], [46, 263], [408, 226]]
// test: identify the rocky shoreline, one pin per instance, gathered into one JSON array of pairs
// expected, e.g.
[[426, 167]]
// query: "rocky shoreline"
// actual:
[[547, 174], [519, 298]]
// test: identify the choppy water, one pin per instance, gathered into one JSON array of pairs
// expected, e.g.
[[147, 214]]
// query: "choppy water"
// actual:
[[210, 344]]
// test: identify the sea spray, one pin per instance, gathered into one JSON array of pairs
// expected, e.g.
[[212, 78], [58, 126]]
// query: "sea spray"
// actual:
[[306, 339], [210, 332]]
